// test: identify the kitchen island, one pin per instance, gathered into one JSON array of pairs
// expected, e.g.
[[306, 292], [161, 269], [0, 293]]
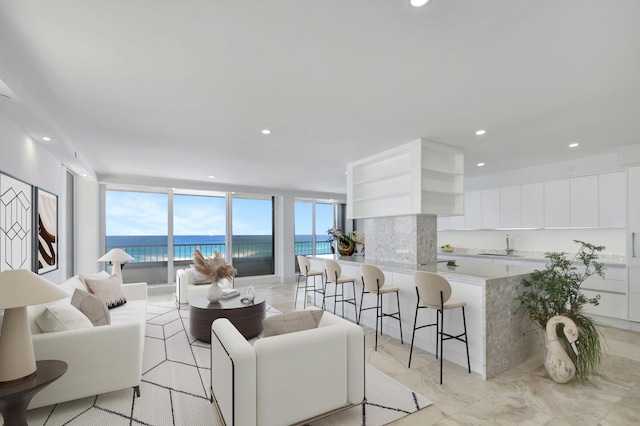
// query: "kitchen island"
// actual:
[[499, 337]]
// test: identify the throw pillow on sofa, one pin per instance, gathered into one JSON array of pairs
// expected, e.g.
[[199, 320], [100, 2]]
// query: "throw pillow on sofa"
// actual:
[[97, 276], [92, 306], [291, 322], [109, 290], [60, 316]]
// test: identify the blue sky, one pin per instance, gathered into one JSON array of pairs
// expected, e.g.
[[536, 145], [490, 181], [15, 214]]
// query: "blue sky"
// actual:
[[143, 213]]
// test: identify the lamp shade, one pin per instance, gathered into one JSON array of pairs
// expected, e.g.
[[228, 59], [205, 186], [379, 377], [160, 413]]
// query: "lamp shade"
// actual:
[[116, 255], [20, 287]]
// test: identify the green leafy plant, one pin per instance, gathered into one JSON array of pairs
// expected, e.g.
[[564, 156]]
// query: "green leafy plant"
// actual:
[[555, 290]]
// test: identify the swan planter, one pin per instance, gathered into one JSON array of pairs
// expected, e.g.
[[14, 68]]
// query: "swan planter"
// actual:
[[557, 362], [552, 296]]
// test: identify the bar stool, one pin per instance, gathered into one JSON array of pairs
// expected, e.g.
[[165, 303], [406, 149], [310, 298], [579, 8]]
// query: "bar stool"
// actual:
[[434, 291], [333, 275], [373, 280], [305, 271]]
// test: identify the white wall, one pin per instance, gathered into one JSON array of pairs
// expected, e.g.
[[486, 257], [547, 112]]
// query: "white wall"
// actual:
[[28, 161], [88, 209]]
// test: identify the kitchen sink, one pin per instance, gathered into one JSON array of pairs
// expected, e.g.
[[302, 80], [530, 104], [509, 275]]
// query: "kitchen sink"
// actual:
[[499, 254]]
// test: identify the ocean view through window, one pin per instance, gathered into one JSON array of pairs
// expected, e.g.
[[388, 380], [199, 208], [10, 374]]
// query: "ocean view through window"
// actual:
[[240, 226], [312, 220]]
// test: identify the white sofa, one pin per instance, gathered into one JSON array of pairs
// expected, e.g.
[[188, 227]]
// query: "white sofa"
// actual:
[[100, 359], [185, 284], [289, 378]]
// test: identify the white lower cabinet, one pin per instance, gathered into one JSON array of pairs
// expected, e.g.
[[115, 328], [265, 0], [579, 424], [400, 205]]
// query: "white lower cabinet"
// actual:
[[613, 293], [634, 294]]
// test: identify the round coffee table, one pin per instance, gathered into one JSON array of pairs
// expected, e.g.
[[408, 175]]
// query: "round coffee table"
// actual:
[[247, 318]]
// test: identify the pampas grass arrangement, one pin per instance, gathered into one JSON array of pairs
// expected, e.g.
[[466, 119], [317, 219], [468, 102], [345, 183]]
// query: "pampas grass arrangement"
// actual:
[[214, 268]]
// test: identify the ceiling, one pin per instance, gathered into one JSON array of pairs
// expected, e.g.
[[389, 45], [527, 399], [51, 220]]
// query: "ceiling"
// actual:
[[182, 90]]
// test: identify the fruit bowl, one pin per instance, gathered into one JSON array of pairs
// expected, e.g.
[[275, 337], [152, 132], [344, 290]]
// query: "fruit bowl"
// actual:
[[446, 249]]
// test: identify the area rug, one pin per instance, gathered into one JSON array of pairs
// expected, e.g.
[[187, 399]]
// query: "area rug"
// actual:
[[175, 386]]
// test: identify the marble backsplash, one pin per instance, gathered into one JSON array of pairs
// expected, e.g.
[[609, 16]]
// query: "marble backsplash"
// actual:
[[402, 239]]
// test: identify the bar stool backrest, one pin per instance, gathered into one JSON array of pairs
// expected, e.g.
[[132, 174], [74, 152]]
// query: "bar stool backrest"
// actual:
[[372, 277], [429, 287], [333, 269], [304, 264]]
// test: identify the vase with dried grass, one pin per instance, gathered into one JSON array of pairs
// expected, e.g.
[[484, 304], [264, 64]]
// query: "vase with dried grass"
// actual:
[[215, 269]]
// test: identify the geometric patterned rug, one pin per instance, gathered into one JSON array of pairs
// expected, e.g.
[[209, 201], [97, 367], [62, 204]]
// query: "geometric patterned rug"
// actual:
[[175, 386]]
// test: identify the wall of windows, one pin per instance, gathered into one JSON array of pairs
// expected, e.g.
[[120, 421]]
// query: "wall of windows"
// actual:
[[161, 231]]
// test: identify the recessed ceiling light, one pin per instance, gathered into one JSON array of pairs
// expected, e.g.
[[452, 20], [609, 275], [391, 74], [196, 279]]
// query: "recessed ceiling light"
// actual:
[[480, 132], [573, 145], [480, 164], [266, 132], [46, 139], [212, 177], [418, 3], [84, 175]]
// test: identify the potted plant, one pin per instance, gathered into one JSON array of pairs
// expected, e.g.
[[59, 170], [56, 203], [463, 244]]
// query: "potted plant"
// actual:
[[346, 243], [555, 291], [216, 269]]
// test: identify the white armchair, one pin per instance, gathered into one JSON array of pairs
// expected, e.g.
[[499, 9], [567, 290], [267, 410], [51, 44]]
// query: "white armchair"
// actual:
[[186, 282], [290, 378]]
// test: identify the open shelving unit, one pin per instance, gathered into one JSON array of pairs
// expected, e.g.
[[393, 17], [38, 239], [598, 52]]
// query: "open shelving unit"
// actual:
[[420, 177]]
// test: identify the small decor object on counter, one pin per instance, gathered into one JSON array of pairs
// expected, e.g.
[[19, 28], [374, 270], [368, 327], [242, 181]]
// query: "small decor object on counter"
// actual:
[[358, 238], [346, 242], [215, 269], [447, 248], [555, 291]]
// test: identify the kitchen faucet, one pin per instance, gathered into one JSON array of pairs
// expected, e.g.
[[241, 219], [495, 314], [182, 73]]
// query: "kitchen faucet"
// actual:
[[508, 250]]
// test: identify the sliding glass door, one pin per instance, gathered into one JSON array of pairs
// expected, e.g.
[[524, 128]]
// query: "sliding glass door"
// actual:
[[252, 235]]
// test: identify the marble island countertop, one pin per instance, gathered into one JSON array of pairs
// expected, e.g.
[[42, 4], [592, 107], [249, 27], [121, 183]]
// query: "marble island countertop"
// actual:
[[471, 271]]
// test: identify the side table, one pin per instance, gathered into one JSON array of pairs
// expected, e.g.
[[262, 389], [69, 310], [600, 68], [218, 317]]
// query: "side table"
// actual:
[[16, 395]]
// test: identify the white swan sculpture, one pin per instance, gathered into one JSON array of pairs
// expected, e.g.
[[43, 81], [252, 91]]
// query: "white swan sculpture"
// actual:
[[557, 362]]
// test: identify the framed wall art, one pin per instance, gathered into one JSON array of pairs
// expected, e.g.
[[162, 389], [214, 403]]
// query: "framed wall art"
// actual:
[[16, 224], [47, 225]]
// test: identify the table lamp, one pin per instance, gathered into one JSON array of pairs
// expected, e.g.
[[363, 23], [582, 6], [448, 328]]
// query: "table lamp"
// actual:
[[20, 288], [115, 256]]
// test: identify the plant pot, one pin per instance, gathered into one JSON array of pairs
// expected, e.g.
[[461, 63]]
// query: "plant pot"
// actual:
[[214, 293], [346, 249]]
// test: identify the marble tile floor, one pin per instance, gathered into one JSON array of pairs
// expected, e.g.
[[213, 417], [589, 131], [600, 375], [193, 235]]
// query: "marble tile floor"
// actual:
[[523, 395]]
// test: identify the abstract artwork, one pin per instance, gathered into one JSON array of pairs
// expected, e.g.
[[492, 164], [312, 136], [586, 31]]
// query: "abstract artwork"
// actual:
[[47, 231], [16, 222]]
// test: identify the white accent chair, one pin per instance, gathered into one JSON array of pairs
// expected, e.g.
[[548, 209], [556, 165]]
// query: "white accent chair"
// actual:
[[290, 378], [186, 283]]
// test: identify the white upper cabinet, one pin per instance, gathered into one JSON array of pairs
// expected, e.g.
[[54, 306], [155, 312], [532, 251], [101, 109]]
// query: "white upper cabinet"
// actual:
[[532, 202], [491, 208], [510, 207], [584, 201], [557, 202], [473, 210], [612, 196]]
